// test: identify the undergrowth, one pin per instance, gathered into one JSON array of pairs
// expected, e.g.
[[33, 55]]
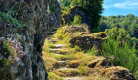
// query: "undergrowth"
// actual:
[[123, 56]]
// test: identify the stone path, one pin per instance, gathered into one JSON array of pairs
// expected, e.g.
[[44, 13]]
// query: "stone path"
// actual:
[[67, 64], [62, 64]]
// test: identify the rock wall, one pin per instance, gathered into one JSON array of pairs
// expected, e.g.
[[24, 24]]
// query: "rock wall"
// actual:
[[35, 15], [55, 15]]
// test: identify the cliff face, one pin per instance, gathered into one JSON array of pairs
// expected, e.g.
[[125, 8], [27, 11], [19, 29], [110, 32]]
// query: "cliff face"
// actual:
[[35, 15], [55, 14]]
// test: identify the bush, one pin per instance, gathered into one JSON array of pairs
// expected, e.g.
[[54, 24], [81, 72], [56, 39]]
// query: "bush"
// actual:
[[121, 56], [118, 33]]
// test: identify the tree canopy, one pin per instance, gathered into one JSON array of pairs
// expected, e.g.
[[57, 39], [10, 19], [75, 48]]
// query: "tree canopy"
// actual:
[[128, 23]]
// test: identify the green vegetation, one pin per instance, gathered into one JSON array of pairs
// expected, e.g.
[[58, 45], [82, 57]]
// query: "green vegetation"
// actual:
[[52, 8], [128, 23], [15, 22], [53, 76], [77, 19], [9, 18], [74, 56], [93, 51], [124, 55], [121, 56], [94, 6], [118, 33], [8, 51]]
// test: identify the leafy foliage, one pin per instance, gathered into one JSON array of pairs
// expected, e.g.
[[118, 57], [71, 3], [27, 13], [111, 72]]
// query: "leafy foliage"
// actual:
[[94, 6], [118, 33], [52, 8], [77, 19], [121, 56], [9, 18], [128, 23]]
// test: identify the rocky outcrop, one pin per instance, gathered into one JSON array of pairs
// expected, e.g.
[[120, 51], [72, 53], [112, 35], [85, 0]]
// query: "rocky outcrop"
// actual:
[[34, 14], [117, 73], [55, 14], [99, 61], [87, 41]]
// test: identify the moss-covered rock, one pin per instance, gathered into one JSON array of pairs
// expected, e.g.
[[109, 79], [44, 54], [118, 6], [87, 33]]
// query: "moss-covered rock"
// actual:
[[87, 41], [116, 73]]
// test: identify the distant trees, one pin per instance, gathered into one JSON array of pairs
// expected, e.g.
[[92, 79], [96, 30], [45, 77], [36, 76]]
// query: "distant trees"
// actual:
[[128, 23]]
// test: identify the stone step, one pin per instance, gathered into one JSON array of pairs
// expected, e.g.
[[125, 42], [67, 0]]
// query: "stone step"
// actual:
[[74, 78], [54, 41], [62, 64], [50, 33], [58, 51], [56, 45], [74, 63], [67, 72], [67, 69], [53, 38], [55, 50], [57, 54], [47, 35]]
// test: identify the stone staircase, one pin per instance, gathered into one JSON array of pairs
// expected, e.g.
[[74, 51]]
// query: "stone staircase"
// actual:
[[62, 65]]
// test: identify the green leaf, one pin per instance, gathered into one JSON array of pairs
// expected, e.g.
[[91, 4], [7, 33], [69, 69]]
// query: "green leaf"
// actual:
[[6, 9]]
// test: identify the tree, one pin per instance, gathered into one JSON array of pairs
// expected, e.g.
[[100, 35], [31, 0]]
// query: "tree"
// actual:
[[96, 8]]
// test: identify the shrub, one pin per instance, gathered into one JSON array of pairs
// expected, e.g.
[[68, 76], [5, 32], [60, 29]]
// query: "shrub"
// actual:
[[61, 34], [9, 18], [118, 33], [121, 56], [93, 51]]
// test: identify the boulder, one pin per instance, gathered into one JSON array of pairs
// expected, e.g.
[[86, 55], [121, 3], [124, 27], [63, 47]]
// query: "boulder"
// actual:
[[87, 41], [119, 73], [99, 61]]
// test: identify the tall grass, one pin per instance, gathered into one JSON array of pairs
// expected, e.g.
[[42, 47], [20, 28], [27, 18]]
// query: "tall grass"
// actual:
[[123, 56], [53, 76], [93, 51]]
